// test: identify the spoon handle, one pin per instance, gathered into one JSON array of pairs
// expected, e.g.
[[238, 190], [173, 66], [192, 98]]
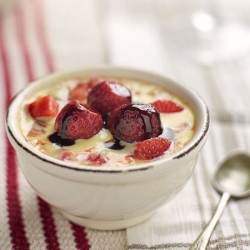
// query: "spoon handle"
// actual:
[[202, 241]]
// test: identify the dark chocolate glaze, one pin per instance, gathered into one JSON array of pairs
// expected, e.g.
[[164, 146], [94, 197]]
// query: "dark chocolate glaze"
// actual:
[[114, 145], [58, 140], [105, 118], [143, 117]]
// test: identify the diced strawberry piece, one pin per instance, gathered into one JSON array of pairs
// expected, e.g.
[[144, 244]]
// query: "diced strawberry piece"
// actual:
[[134, 122], [108, 95], [96, 159], [166, 106], [68, 155], [80, 92], [75, 121], [44, 106], [94, 81], [151, 148]]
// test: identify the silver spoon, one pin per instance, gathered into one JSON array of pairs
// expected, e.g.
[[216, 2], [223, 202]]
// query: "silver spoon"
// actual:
[[232, 179]]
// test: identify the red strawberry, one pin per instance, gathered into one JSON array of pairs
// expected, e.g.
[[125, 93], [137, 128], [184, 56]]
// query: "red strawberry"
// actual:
[[75, 121], [151, 148], [67, 155], [165, 106], [44, 106], [96, 159], [108, 95], [94, 81], [134, 122], [80, 92]]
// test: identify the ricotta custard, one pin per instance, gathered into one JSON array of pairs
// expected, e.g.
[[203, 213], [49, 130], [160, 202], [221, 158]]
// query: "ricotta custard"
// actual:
[[145, 117]]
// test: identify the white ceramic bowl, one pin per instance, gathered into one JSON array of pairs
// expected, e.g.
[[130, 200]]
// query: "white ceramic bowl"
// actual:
[[101, 197]]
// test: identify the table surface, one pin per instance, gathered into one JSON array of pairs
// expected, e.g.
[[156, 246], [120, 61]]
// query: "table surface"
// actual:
[[41, 36]]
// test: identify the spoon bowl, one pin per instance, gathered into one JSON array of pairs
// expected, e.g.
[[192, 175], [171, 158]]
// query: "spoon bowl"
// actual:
[[233, 175], [232, 178]]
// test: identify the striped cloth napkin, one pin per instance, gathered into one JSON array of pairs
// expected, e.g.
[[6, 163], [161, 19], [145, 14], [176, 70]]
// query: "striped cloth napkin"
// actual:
[[225, 88], [37, 37], [40, 36], [179, 222]]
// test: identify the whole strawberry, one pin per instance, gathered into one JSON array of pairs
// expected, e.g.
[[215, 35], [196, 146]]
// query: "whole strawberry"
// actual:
[[151, 148], [75, 121], [108, 95], [134, 122]]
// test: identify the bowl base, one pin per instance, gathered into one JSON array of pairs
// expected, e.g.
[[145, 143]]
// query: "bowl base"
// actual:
[[105, 225]]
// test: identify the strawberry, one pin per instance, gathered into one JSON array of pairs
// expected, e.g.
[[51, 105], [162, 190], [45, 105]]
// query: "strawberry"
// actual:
[[134, 122], [166, 106], [94, 81], [108, 95], [44, 106], [151, 148], [96, 159], [80, 92], [75, 121], [68, 155]]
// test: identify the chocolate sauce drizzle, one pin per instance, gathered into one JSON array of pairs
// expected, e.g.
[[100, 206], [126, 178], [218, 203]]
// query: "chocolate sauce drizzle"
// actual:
[[114, 145], [105, 121], [58, 140]]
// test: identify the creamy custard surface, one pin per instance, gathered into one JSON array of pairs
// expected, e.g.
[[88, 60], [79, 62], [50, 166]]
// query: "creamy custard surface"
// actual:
[[179, 127]]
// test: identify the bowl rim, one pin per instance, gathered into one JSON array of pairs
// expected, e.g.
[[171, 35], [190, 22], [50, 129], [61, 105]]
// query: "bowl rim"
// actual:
[[17, 138]]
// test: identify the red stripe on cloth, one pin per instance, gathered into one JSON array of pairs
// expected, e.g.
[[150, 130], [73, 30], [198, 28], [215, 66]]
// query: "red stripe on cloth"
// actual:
[[16, 225], [80, 236], [41, 34], [81, 240], [49, 227], [23, 43], [46, 214]]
